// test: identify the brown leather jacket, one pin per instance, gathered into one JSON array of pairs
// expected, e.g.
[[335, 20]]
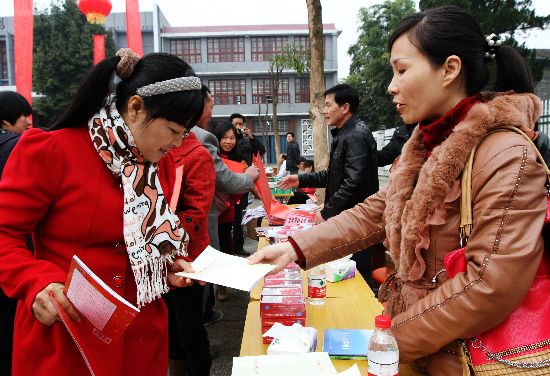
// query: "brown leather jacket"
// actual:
[[417, 215]]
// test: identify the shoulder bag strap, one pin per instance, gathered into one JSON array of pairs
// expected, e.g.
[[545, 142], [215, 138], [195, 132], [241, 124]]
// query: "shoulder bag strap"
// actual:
[[466, 183]]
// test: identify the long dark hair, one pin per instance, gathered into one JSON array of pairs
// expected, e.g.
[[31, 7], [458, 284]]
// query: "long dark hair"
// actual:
[[448, 30], [182, 107], [220, 130]]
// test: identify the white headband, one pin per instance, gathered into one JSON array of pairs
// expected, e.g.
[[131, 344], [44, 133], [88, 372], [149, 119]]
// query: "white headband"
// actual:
[[170, 86]]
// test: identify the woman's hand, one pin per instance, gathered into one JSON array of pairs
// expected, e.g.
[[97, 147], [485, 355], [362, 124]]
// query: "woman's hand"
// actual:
[[280, 254], [180, 265], [44, 310], [290, 181]]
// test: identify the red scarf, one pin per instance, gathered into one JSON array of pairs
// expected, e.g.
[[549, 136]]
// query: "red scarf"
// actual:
[[436, 132]]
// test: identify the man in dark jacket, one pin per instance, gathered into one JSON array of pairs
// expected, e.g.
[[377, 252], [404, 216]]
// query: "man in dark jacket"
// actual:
[[247, 145], [292, 154], [352, 174], [392, 150]]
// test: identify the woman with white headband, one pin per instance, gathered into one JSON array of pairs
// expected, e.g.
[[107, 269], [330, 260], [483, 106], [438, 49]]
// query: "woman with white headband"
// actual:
[[90, 187]]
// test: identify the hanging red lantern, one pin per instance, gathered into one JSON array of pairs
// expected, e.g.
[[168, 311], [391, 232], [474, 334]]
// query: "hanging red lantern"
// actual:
[[95, 10]]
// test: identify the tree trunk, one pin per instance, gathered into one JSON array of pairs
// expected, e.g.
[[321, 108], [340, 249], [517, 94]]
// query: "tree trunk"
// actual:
[[317, 88], [275, 81], [263, 126]]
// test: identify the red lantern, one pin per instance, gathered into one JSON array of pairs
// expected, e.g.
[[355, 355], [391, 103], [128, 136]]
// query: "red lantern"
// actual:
[[95, 10]]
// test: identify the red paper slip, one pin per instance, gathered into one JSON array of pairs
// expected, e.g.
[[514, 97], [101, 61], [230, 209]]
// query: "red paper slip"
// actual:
[[236, 167], [262, 185]]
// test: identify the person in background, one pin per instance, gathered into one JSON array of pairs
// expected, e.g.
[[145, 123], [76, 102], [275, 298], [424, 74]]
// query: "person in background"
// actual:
[[440, 60], [226, 182], [292, 153], [300, 165], [70, 188], [282, 167], [392, 150], [15, 112], [226, 133], [301, 195], [14, 117], [189, 348], [247, 146]]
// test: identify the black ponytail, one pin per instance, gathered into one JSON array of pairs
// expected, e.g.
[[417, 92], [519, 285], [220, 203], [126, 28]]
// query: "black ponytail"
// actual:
[[89, 96], [513, 73]]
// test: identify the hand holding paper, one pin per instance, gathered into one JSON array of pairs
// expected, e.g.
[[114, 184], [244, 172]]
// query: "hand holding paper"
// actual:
[[222, 269]]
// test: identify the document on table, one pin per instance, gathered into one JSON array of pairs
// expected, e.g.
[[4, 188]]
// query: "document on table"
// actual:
[[314, 363], [226, 270]]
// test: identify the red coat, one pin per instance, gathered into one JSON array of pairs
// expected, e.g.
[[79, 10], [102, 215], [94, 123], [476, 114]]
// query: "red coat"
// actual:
[[56, 186], [197, 189]]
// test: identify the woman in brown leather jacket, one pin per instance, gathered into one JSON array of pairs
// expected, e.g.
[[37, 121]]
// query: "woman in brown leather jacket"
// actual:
[[440, 63]]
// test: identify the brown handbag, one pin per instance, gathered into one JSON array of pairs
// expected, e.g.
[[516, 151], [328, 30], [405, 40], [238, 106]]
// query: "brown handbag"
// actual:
[[521, 343]]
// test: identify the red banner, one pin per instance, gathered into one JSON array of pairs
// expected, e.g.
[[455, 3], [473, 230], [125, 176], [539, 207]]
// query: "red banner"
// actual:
[[99, 48], [23, 35], [133, 27]]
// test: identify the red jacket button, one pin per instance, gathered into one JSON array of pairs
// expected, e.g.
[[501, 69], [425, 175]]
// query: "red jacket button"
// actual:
[[118, 281], [120, 248]]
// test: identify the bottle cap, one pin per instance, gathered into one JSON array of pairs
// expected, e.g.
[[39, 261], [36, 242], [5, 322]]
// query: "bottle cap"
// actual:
[[382, 322]]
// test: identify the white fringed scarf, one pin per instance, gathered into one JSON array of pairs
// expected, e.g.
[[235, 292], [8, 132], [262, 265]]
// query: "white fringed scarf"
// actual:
[[152, 232]]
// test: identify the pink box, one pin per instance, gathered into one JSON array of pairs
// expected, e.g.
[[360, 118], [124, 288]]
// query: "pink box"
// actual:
[[283, 291], [282, 283], [282, 305]]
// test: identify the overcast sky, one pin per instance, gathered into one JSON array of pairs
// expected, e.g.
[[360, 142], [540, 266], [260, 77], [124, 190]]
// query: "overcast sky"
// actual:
[[343, 13]]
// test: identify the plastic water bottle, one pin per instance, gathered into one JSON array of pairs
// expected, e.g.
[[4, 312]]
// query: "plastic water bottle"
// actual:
[[383, 352], [317, 286]]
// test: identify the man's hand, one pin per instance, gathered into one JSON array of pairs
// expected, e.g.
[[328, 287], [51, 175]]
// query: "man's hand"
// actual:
[[280, 254], [290, 181], [253, 172], [180, 265], [248, 133], [44, 310]]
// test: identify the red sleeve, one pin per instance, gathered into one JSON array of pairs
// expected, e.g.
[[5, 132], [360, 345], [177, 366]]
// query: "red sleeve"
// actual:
[[28, 187], [197, 192]]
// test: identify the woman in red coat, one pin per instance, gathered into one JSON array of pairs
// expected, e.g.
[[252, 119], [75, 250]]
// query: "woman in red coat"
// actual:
[[90, 187]]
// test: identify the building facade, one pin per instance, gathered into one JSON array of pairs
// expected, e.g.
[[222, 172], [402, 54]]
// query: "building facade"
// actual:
[[233, 61]]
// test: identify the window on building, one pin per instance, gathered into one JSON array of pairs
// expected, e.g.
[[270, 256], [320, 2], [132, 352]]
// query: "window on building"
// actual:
[[265, 47], [3, 62], [303, 41], [189, 50], [261, 90], [221, 50], [283, 126], [301, 90], [228, 91]]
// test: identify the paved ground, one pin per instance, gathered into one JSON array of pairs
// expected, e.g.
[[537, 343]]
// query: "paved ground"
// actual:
[[226, 334]]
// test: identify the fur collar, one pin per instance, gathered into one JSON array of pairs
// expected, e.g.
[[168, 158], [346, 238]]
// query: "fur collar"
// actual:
[[418, 185]]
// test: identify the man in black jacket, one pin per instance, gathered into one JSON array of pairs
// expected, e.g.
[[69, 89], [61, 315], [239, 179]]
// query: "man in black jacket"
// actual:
[[292, 154], [392, 150], [352, 173], [247, 145]]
